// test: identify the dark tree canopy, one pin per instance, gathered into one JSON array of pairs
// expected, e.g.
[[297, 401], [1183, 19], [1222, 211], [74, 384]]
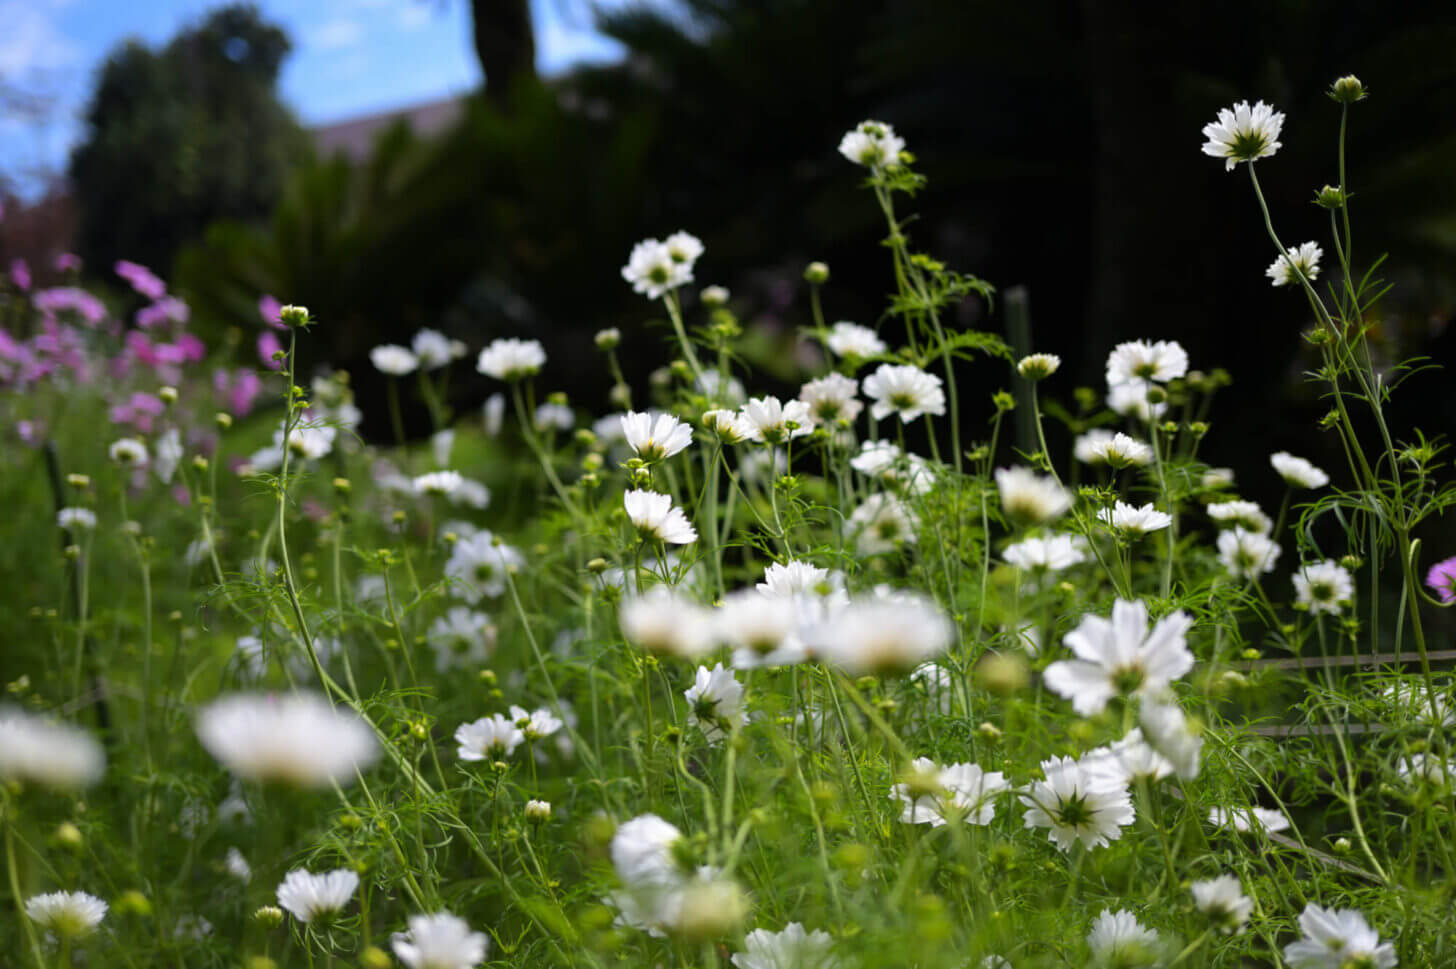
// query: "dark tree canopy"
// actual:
[[180, 137]]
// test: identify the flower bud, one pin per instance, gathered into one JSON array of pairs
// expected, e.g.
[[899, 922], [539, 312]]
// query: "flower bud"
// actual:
[[1348, 90], [608, 339], [1002, 673], [538, 811], [714, 297], [67, 835], [816, 273], [223, 420], [135, 903], [295, 316], [1038, 366], [374, 957], [1330, 197], [711, 910], [168, 395], [269, 916]]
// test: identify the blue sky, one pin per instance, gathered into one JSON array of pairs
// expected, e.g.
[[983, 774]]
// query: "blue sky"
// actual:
[[350, 57]]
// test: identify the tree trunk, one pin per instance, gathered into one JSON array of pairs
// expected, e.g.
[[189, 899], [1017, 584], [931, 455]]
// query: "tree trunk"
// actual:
[[505, 45]]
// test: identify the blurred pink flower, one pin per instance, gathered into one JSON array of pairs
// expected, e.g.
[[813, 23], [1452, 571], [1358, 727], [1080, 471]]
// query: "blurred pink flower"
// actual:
[[165, 309], [1442, 580], [138, 410], [271, 311], [192, 347], [20, 274], [267, 346], [239, 390], [67, 261], [52, 301], [142, 279], [181, 495]]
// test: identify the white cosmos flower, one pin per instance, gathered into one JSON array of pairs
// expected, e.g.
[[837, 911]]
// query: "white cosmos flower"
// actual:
[[794, 578], [653, 270], [1139, 360], [1245, 820], [654, 516], [882, 636], [1119, 941], [71, 915], [535, 724], [1120, 657], [1131, 400], [442, 443], [642, 850], [684, 247], [887, 462], [1247, 554], [731, 426], [881, 524], [761, 629], [1038, 366], [1075, 803], [1115, 449], [393, 360], [511, 359], [793, 948], [442, 483], [1215, 478], [470, 493], [715, 702], [1336, 939], [1426, 767], [1246, 514], [935, 795], [308, 896], [1297, 471], [848, 339], [493, 414], [904, 390], [237, 866], [1134, 521], [725, 391], [1222, 899], [872, 144], [1051, 554], [462, 638], [432, 349], [169, 453], [76, 519], [1304, 258], [1029, 498], [128, 451], [478, 564], [1168, 732], [1412, 700], [831, 399], [666, 624], [1325, 587], [1243, 134], [775, 422], [553, 417], [489, 738], [1129, 759], [298, 738], [439, 941], [655, 436], [38, 751]]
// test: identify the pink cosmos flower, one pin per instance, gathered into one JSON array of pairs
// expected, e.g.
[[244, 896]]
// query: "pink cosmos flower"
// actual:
[[88, 307], [239, 389], [1442, 580], [271, 311], [67, 261], [20, 274], [267, 346], [168, 308], [142, 279]]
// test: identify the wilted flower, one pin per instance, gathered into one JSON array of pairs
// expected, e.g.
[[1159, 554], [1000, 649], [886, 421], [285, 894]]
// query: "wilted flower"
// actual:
[[1243, 134], [1324, 587], [41, 752], [71, 915], [511, 359], [654, 517], [299, 738], [393, 360], [872, 144], [1075, 803], [655, 436], [904, 390], [1297, 471], [715, 702], [309, 896], [848, 339], [1337, 939], [1302, 260], [439, 941], [1120, 657]]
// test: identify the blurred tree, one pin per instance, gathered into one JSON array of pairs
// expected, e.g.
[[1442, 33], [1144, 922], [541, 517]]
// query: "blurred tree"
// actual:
[[505, 44], [180, 137]]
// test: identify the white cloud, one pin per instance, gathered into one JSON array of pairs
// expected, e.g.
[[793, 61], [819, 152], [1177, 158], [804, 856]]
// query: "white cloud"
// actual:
[[334, 34], [30, 42]]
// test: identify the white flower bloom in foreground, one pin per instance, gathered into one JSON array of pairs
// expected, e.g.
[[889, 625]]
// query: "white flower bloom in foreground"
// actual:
[[904, 390], [1297, 471], [793, 948], [654, 516], [1029, 498], [169, 453], [442, 483], [460, 639], [393, 360], [1246, 514], [1119, 941], [872, 144], [1115, 449], [882, 523], [1120, 657], [479, 564], [128, 451], [653, 270], [76, 519], [1051, 554], [1244, 820], [762, 629], [715, 702], [432, 349], [1038, 366], [848, 339], [511, 359], [882, 635], [1168, 732], [439, 941], [1134, 522], [655, 436], [1324, 587], [489, 738], [53, 754], [1139, 360], [775, 422], [309, 896], [1076, 803], [642, 850], [1247, 554], [666, 624], [71, 915], [1131, 400], [1243, 134], [298, 738], [1222, 899], [1303, 258], [1337, 939], [535, 724], [831, 399], [935, 795], [731, 426]]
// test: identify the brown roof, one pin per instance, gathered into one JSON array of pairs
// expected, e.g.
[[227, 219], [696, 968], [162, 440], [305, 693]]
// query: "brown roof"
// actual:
[[354, 138]]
